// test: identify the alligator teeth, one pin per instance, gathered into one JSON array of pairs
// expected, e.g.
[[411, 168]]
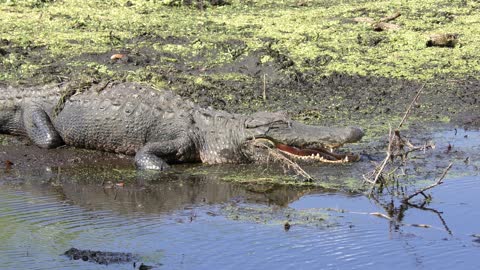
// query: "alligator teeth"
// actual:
[[331, 149], [319, 157]]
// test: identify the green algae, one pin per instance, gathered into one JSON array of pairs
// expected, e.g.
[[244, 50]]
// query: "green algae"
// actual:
[[275, 216], [318, 37], [264, 177], [236, 52]]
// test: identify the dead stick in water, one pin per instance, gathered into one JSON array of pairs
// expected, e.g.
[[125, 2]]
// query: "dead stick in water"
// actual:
[[438, 213], [391, 136], [438, 182], [384, 163]]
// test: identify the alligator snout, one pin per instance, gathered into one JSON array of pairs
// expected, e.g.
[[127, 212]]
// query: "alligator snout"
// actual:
[[353, 134], [302, 135]]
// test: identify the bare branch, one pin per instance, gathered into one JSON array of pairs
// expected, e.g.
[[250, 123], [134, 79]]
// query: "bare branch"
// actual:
[[397, 142], [391, 17], [438, 182], [411, 106], [380, 169]]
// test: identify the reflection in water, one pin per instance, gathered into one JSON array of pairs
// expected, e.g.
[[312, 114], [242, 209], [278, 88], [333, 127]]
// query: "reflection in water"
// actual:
[[51, 201], [395, 212], [129, 191], [45, 212], [174, 193]]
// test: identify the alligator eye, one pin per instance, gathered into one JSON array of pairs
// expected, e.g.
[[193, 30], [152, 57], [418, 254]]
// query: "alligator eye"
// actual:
[[280, 124]]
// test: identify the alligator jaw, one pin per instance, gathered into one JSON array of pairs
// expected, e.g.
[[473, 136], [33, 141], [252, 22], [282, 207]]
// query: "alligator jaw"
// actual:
[[312, 154], [316, 154]]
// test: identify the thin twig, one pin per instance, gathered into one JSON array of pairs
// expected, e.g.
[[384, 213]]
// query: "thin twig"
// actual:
[[284, 160], [438, 182], [422, 148], [391, 136], [411, 106], [264, 87], [378, 214], [385, 161]]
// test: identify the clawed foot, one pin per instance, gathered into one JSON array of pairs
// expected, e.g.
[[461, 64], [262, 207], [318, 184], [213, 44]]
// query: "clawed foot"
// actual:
[[150, 162]]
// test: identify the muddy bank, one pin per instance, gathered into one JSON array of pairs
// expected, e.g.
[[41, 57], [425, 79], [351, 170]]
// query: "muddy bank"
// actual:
[[241, 67], [71, 168]]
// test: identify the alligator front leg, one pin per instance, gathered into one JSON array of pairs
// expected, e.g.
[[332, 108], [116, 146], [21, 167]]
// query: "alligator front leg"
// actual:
[[147, 159], [39, 128], [151, 156]]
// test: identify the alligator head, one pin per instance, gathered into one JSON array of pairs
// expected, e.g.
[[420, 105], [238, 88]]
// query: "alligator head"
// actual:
[[300, 141]]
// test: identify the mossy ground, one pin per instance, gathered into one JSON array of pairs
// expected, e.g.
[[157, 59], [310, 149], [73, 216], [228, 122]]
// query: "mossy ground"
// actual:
[[317, 36], [307, 57]]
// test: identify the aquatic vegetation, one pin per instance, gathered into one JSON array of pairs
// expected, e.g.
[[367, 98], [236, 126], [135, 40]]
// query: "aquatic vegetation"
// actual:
[[279, 216], [318, 37]]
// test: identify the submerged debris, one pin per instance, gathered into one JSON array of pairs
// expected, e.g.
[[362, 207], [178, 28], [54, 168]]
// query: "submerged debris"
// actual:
[[286, 226], [285, 217], [476, 238], [100, 257], [145, 267]]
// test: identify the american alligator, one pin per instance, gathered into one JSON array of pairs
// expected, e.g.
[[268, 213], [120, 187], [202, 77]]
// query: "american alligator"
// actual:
[[161, 128]]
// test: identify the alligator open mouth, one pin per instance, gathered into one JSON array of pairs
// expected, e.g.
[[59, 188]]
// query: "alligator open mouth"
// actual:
[[319, 154]]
